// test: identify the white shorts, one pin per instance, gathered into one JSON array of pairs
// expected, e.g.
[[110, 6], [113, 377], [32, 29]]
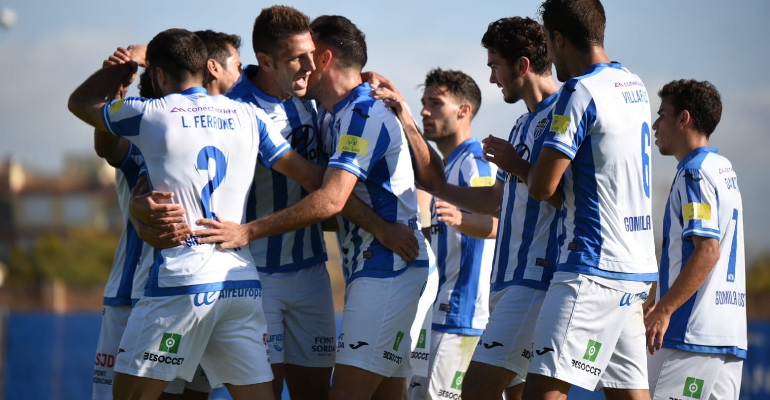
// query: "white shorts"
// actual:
[[450, 356], [114, 319], [590, 335], [376, 321], [507, 339], [223, 331], [299, 309], [677, 374], [421, 327], [200, 383]]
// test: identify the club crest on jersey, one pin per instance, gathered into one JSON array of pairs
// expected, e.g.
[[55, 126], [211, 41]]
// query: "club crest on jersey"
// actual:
[[353, 144], [540, 128]]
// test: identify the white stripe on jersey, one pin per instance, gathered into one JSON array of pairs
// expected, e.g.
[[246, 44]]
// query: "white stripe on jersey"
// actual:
[[464, 262], [526, 247], [203, 148], [131, 250], [297, 121], [705, 201], [368, 141], [602, 122]]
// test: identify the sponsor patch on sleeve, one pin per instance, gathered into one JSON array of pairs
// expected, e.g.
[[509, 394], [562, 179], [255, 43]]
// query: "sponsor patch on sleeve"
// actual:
[[353, 144], [116, 106], [699, 211], [560, 124], [480, 181]]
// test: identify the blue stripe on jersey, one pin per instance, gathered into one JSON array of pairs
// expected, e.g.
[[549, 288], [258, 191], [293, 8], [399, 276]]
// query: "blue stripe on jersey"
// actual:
[[663, 276], [678, 323], [154, 269], [202, 288], [587, 235], [734, 350]]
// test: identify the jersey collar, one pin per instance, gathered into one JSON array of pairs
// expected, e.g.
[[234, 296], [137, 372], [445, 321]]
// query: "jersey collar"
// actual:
[[361, 90], [249, 72], [695, 153], [460, 149], [600, 66], [194, 90]]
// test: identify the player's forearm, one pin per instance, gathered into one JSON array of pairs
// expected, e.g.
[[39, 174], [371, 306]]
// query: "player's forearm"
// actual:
[[427, 165], [86, 101], [478, 226], [480, 200], [363, 216], [109, 147], [314, 208], [691, 278]]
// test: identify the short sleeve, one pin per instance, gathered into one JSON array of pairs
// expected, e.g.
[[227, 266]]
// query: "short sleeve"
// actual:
[[572, 118], [365, 141], [123, 117], [698, 198], [272, 145]]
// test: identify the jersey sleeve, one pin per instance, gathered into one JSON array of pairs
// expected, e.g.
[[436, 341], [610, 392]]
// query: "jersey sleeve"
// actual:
[[123, 117], [363, 143], [272, 145], [477, 172], [572, 118], [698, 198]]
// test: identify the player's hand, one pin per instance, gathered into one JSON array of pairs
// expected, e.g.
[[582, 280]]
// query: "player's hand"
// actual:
[[656, 323], [400, 239], [225, 234], [157, 238], [377, 81], [138, 54], [501, 153], [149, 209], [392, 100], [448, 214], [120, 56]]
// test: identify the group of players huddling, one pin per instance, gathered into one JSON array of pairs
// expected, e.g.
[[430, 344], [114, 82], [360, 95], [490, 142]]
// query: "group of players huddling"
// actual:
[[540, 255]]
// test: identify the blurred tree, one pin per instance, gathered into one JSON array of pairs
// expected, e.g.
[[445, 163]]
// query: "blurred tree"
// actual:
[[81, 256], [758, 275]]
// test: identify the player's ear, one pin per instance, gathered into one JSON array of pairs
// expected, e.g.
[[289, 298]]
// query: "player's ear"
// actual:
[[326, 60], [684, 119], [465, 110], [264, 60], [212, 68], [523, 63]]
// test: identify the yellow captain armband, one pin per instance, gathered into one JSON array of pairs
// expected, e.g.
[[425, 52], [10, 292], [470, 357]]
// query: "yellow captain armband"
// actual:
[[353, 144], [699, 211]]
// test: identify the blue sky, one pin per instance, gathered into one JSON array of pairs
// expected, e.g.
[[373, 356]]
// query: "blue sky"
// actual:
[[55, 45]]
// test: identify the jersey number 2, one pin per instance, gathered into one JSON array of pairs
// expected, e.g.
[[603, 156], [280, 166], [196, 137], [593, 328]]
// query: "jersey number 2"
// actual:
[[204, 158]]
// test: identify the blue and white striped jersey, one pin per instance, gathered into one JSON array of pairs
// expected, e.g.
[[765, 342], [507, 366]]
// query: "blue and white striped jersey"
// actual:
[[464, 263], [368, 141], [131, 250], [602, 122], [203, 148], [297, 121], [526, 247], [705, 201]]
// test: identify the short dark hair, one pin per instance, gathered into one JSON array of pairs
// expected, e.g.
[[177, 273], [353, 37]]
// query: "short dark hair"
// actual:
[[179, 52], [700, 98], [343, 36], [460, 84], [217, 44], [582, 22], [516, 37], [274, 24], [145, 85]]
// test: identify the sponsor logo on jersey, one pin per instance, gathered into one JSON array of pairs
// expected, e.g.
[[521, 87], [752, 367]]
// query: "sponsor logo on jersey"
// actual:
[[693, 387], [156, 358], [457, 382], [560, 124], [353, 144], [391, 357], [397, 342], [422, 338], [170, 343], [105, 360], [357, 345], [99, 377], [492, 345], [592, 350], [586, 367], [543, 351], [698, 211]]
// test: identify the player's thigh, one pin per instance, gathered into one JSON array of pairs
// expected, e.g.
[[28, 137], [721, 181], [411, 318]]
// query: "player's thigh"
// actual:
[[278, 377], [484, 381], [684, 373], [381, 347], [308, 382], [114, 320], [129, 387], [310, 327], [508, 337], [351, 383], [250, 392], [199, 388], [515, 391], [237, 351]]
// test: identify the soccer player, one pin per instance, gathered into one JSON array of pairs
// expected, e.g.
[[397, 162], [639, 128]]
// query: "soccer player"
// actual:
[[201, 304], [525, 251], [371, 158], [223, 68], [696, 330], [450, 101], [595, 162]]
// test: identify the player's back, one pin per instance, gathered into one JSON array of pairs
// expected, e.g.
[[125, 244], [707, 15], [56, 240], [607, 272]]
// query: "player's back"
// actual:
[[602, 121], [203, 149]]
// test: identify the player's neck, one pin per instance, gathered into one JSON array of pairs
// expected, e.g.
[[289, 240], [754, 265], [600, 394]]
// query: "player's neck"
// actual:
[[541, 86], [448, 144], [692, 141], [339, 84], [581, 61], [266, 83]]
